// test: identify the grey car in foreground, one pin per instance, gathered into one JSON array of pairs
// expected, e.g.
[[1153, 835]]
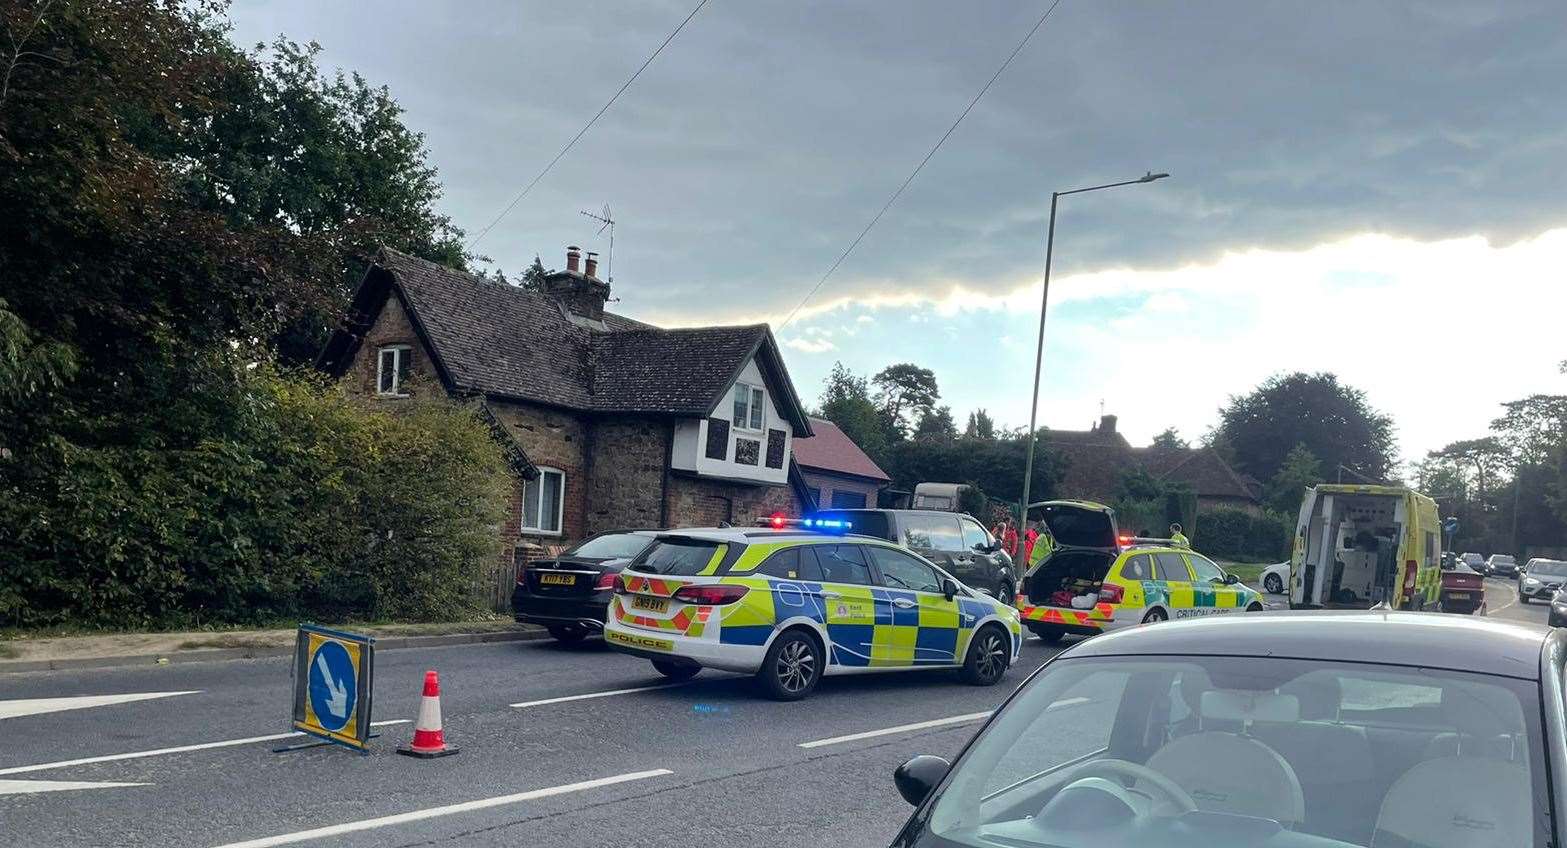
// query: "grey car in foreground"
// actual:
[[1328, 729]]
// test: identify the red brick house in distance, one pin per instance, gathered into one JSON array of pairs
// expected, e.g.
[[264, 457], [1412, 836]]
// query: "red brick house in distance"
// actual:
[[838, 473], [609, 422]]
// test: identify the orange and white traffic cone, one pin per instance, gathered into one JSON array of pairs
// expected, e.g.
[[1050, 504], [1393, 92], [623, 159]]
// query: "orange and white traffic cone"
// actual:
[[429, 739]]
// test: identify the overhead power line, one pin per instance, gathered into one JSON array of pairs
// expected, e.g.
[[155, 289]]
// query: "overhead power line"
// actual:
[[916, 172], [585, 127]]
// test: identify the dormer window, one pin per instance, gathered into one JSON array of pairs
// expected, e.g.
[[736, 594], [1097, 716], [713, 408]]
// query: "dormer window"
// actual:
[[750, 408], [392, 370]]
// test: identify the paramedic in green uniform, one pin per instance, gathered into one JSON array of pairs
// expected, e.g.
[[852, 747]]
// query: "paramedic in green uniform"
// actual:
[[1177, 538], [1043, 544]]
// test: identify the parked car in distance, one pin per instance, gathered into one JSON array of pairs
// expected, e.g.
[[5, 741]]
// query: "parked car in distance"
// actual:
[[1501, 565], [569, 593], [1463, 589], [955, 542], [1474, 561], [1275, 578], [1294, 730], [1558, 614], [1542, 580]]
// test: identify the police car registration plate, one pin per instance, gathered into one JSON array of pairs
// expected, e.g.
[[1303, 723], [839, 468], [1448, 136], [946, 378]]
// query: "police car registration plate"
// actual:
[[650, 604]]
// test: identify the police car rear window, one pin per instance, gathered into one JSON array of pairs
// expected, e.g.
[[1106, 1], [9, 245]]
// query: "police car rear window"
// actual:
[[679, 557]]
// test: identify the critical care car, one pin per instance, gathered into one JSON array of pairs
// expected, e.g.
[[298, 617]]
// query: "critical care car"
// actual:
[[790, 604], [1094, 579]]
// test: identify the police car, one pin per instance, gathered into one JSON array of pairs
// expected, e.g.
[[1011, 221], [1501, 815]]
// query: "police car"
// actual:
[[800, 599], [1095, 579]]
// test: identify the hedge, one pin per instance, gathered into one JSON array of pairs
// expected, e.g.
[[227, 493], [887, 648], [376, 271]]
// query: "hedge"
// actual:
[[1238, 535], [309, 504]]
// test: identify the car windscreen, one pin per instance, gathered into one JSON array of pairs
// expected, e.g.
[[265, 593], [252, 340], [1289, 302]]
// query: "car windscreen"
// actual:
[[678, 556], [1503, 559], [1548, 568], [1472, 558], [862, 522], [612, 546], [1192, 751]]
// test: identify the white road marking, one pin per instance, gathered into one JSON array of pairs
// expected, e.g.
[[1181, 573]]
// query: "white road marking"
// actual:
[[34, 706], [591, 695], [448, 810], [158, 752], [28, 787], [1514, 590], [902, 728]]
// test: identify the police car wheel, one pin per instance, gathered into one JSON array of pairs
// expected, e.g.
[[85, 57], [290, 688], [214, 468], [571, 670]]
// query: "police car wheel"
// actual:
[[1155, 615], [675, 671], [987, 657], [792, 667], [1274, 584]]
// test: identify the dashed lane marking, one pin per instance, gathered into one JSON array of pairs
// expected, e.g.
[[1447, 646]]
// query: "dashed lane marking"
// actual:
[[448, 810], [34, 706], [563, 699], [28, 787], [158, 752], [902, 728]]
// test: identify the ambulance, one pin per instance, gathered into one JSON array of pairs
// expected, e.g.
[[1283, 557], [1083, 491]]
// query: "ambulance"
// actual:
[[1358, 547]]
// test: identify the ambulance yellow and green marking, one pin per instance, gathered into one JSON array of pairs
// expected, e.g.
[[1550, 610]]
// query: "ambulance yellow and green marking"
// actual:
[[863, 625]]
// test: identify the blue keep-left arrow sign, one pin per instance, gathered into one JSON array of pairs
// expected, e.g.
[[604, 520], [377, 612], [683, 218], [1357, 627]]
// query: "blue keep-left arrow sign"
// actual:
[[333, 686]]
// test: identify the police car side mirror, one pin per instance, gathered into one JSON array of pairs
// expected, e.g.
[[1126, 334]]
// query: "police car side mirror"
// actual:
[[916, 778], [949, 587]]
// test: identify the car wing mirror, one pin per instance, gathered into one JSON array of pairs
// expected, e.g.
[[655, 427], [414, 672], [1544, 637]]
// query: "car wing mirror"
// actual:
[[1231, 580], [918, 777], [949, 588]]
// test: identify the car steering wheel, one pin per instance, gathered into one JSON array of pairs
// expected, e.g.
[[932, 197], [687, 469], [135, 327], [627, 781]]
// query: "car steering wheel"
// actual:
[[1171, 790]]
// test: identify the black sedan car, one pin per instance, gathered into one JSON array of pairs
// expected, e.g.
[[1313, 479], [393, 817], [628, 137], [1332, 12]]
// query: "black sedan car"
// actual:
[[569, 593], [1300, 729]]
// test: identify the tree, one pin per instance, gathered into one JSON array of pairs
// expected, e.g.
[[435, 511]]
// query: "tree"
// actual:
[[846, 402], [1300, 471], [937, 424], [904, 390], [533, 278], [1486, 456], [980, 426], [1333, 421], [1533, 428], [1170, 439]]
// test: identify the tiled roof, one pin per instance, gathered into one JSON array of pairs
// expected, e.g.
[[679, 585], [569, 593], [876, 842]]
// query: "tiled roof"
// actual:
[[497, 339], [669, 371], [1201, 468], [831, 449]]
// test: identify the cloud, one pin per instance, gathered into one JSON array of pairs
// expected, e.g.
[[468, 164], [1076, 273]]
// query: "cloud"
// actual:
[[805, 345]]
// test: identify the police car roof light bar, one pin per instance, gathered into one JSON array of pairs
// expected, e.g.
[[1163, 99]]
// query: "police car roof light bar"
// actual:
[[777, 521]]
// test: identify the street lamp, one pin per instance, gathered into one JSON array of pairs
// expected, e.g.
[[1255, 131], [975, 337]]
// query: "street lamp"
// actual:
[[1039, 353]]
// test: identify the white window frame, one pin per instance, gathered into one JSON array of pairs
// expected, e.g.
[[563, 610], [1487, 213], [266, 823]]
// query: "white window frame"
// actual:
[[756, 398], [401, 353], [560, 505]]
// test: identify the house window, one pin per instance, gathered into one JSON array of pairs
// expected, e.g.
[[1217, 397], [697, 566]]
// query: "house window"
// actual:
[[750, 407], [391, 375], [542, 501]]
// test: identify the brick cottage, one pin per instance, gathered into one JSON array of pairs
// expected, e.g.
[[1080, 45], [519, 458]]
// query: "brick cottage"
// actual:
[[609, 422]]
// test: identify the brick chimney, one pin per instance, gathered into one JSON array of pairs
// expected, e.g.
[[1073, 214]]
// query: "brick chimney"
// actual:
[[592, 267], [582, 294], [1107, 424]]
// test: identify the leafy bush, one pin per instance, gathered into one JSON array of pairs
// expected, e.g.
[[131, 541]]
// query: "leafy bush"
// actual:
[[304, 504]]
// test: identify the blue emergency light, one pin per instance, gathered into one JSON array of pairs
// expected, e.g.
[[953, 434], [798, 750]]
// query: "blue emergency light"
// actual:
[[777, 521]]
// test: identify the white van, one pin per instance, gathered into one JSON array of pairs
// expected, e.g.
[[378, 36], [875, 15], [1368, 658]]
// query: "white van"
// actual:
[[1358, 546]]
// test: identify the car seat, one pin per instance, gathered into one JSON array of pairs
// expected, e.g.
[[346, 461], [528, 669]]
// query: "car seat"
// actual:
[[1477, 795], [1231, 772], [1332, 760]]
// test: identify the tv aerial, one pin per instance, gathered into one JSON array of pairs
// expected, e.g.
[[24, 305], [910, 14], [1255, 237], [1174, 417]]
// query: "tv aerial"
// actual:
[[607, 223]]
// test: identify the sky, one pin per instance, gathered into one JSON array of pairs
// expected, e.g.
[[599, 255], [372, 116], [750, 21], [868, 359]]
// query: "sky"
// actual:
[[1374, 189]]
